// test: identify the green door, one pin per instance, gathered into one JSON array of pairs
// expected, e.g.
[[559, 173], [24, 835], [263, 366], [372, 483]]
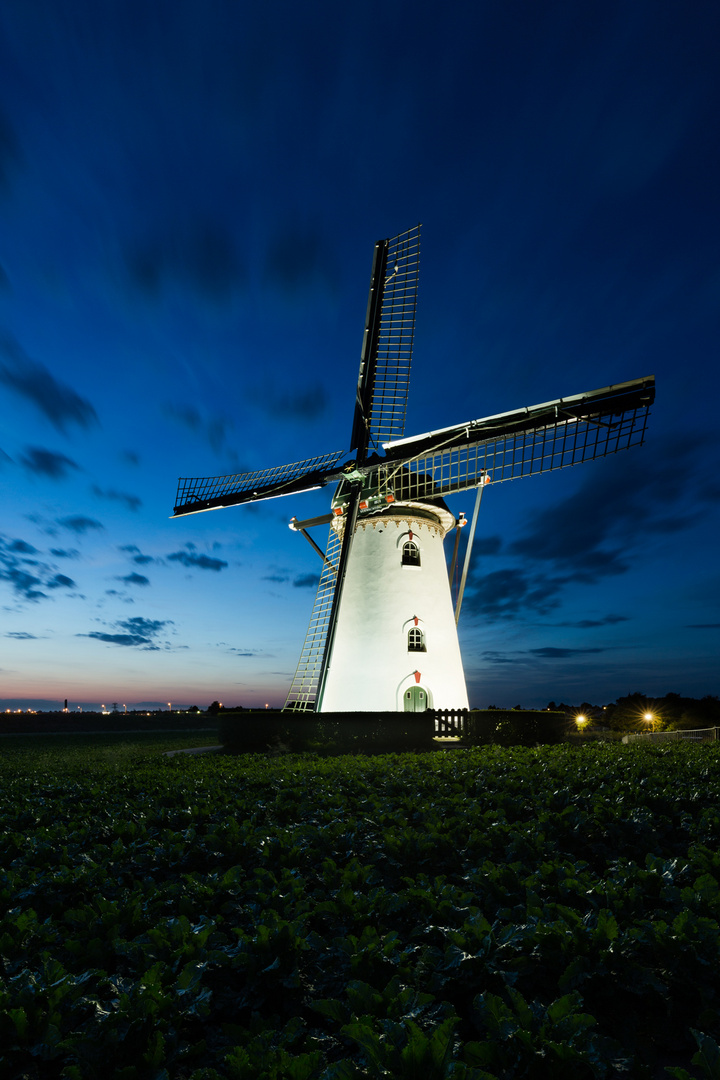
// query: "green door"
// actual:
[[415, 699]]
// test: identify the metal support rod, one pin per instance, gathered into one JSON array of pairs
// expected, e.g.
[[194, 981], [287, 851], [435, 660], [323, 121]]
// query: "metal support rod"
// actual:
[[458, 526], [468, 549], [310, 541], [308, 523], [351, 516]]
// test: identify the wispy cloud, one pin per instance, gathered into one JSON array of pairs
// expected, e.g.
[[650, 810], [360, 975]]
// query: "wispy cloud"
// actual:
[[592, 624], [79, 524], [192, 559], [199, 255], [238, 650], [306, 581], [136, 555], [27, 573], [47, 463], [302, 403], [529, 658], [22, 547], [134, 579], [617, 509], [138, 633], [212, 429], [299, 260], [492, 656], [550, 653], [133, 502], [22, 635], [10, 155], [32, 381], [506, 593], [61, 581]]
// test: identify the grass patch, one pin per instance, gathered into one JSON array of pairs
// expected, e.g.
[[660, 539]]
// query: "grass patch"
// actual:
[[75, 753]]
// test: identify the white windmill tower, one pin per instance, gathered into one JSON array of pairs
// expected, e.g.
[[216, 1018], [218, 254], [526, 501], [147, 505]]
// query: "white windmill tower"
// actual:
[[383, 631]]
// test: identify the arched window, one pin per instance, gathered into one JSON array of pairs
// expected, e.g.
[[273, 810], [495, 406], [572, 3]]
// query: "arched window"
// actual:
[[416, 640], [410, 554]]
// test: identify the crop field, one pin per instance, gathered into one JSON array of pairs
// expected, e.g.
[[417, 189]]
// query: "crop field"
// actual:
[[470, 914]]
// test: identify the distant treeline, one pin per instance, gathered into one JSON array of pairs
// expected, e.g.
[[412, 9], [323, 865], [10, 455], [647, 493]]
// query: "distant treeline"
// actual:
[[669, 713]]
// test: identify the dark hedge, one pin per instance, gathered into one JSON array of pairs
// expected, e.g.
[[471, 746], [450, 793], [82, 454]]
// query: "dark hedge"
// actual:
[[382, 733]]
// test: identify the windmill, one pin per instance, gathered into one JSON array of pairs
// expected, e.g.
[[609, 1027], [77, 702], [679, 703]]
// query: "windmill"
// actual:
[[383, 630]]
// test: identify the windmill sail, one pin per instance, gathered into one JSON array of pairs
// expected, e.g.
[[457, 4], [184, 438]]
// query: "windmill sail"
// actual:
[[307, 685], [519, 443], [216, 492], [304, 688], [380, 410], [384, 377]]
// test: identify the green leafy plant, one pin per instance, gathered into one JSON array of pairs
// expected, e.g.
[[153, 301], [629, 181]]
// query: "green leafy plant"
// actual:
[[707, 1059], [495, 912]]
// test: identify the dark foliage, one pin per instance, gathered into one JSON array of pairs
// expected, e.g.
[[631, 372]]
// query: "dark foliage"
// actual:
[[499, 913], [671, 711]]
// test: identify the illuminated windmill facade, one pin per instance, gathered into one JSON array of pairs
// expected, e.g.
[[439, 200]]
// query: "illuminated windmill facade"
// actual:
[[382, 635], [395, 644]]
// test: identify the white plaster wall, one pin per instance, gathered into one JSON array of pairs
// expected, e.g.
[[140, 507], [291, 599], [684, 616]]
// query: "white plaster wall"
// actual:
[[370, 666]]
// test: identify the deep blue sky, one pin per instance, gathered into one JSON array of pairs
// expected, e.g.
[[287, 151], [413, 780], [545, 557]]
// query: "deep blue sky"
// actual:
[[190, 192]]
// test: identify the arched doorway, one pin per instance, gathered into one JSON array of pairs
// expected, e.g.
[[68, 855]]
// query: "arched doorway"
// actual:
[[415, 699]]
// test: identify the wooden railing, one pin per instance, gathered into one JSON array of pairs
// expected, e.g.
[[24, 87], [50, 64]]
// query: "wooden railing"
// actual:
[[709, 734]]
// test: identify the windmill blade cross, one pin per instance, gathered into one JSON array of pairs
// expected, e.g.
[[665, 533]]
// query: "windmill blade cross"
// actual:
[[520, 443], [215, 492], [382, 468], [384, 378]]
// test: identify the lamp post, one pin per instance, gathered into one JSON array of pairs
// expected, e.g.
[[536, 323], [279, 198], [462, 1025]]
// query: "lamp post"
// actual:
[[649, 719], [581, 721]]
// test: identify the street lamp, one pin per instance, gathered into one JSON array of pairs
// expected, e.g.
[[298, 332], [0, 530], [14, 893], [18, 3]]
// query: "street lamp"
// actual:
[[649, 719], [581, 720]]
